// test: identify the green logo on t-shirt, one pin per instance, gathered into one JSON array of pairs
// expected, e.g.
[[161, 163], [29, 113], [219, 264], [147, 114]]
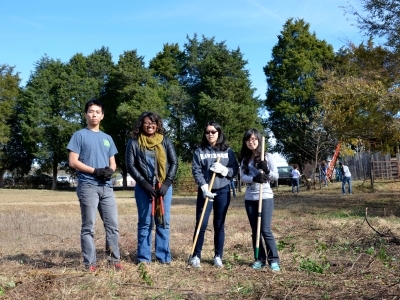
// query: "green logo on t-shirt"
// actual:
[[106, 143]]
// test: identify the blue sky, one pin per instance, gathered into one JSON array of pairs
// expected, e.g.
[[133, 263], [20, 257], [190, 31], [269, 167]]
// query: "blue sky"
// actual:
[[61, 29]]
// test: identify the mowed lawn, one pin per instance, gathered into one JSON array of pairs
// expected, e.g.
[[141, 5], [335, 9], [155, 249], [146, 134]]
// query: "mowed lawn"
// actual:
[[327, 249]]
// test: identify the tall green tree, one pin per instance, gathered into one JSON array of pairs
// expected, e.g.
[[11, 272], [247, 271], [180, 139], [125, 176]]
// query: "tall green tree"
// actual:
[[131, 90], [219, 87], [13, 154], [168, 69], [54, 101], [86, 77], [46, 115], [292, 78], [100, 66], [9, 92]]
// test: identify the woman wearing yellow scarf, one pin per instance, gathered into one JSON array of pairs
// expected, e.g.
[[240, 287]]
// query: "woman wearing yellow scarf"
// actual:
[[151, 159]]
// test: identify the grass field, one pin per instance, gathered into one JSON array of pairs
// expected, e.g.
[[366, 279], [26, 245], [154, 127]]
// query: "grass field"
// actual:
[[327, 249]]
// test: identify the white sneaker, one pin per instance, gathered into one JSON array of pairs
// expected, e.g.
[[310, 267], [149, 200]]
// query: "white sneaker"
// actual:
[[195, 262], [218, 262]]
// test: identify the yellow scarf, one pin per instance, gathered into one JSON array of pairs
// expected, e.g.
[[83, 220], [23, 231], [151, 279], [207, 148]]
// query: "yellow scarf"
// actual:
[[154, 144]]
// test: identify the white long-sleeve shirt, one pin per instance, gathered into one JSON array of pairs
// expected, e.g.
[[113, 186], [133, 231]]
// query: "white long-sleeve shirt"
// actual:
[[346, 171], [253, 188]]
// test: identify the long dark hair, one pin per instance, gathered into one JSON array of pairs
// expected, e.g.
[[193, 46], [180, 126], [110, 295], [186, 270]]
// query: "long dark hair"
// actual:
[[246, 154], [154, 117], [221, 144]]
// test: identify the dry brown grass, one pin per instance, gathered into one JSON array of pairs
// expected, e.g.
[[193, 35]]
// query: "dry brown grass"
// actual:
[[41, 258]]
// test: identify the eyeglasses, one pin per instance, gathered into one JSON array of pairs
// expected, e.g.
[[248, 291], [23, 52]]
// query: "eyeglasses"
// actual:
[[149, 124], [211, 132], [252, 140]]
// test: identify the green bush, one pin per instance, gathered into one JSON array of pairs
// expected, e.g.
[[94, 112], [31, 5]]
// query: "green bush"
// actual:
[[184, 170], [184, 181]]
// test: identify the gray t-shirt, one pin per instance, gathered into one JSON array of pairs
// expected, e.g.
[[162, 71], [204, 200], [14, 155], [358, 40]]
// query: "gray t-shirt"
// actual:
[[94, 150]]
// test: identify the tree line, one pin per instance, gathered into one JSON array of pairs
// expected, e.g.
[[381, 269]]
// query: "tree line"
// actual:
[[315, 97]]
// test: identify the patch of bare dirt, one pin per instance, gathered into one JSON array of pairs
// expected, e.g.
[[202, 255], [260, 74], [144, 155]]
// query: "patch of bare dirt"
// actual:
[[327, 249]]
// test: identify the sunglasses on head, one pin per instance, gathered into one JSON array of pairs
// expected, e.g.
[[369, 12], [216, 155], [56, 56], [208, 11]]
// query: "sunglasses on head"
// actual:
[[211, 131]]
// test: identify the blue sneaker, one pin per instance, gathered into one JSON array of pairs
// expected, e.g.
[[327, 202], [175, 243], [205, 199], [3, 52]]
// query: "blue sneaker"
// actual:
[[275, 267], [258, 265]]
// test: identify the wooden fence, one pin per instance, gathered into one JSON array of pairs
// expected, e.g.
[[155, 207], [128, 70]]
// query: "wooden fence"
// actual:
[[187, 185], [375, 166]]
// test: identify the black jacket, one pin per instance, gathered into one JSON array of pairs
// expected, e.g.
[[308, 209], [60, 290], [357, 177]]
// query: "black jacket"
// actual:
[[136, 163]]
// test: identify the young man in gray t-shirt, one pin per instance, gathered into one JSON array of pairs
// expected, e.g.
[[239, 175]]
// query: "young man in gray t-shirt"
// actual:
[[91, 153]]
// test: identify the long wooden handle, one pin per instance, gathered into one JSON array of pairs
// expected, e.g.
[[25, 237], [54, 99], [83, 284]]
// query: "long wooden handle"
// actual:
[[259, 204], [202, 214]]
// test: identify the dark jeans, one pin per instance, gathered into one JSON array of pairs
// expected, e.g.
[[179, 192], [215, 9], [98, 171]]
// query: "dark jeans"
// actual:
[[220, 205], [271, 251]]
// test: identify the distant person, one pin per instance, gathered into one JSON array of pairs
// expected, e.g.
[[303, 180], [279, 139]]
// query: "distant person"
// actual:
[[346, 175], [324, 177], [91, 153], [151, 159], [339, 174], [251, 163], [213, 145], [295, 180]]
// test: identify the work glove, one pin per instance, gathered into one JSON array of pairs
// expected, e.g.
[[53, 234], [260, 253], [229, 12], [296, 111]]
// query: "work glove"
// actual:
[[164, 187], [260, 178], [99, 172], [219, 168], [206, 192], [107, 173], [263, 165], [103, 173], [148, 188]]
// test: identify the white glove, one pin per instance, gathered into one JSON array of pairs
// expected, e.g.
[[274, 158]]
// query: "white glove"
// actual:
[[218, 168], [206, 192]]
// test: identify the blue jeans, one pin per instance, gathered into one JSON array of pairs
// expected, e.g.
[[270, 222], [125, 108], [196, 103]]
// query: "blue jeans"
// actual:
[[324, 179], [144, 235], [220, 205], [271, 253], [348, 180], [295, 183], [91, 199]]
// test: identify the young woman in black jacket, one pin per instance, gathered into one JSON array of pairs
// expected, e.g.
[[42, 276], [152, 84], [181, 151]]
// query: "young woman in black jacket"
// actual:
[[149, 155]]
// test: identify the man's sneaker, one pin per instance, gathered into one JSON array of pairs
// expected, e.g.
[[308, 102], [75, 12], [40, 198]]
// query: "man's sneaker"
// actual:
[[118, 267], [195, 262], [91, 268], [275, 267], [218, 262], [258, 265]]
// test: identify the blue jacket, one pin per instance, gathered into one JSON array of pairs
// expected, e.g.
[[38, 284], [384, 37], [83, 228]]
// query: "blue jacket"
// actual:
[[204, 158]]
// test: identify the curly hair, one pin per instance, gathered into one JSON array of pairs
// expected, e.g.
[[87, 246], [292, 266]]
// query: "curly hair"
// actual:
[[221, 144], [154, 117], [246, 154]]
